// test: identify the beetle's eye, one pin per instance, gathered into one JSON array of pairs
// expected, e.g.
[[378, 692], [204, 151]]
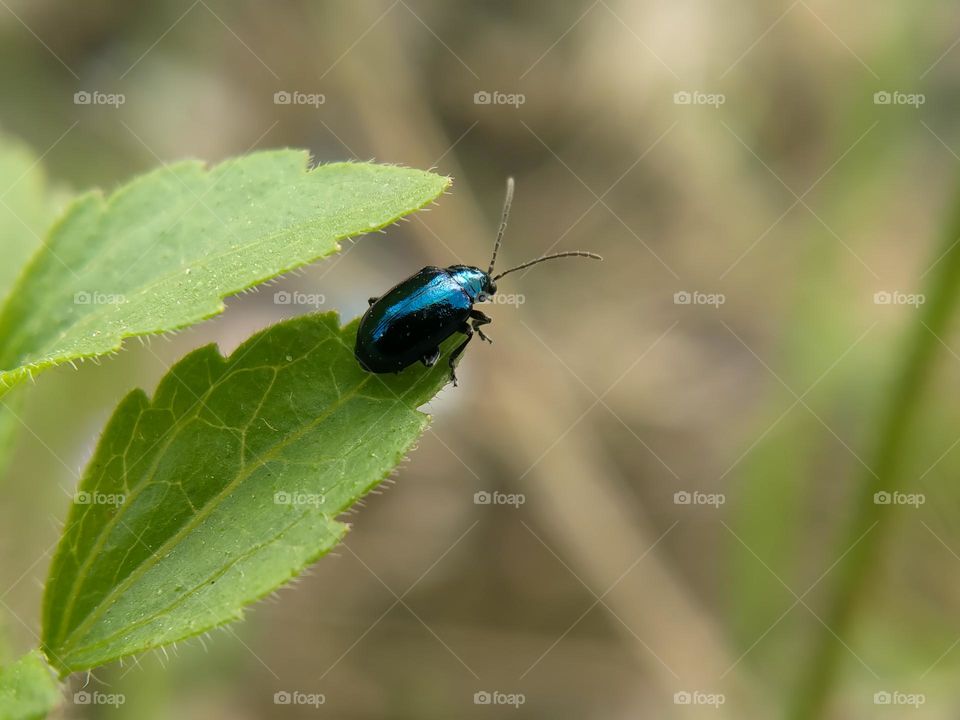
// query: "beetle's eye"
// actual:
[[483, 297]]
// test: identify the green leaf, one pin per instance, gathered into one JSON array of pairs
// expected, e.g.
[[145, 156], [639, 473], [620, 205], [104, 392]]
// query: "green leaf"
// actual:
[[28, 689], [204, 469], [162, 252], [27, 208]]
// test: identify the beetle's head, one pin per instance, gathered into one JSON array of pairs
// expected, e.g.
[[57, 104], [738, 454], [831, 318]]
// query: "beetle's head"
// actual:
[[489, 290], [474, 281]]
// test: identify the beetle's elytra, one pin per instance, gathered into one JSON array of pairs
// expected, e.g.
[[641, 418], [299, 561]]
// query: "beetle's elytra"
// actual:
[[410, 320]]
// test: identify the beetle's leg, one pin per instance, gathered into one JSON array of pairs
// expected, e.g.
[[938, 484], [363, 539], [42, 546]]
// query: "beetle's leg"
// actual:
[[479, 318], [371, 301], [430, 359], [468, 331], [481, 334]]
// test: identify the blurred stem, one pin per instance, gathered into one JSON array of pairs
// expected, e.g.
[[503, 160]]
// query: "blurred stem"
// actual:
[[865, 535]]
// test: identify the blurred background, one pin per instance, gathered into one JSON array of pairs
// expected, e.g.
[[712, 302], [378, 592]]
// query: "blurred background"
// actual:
[[677, 435]]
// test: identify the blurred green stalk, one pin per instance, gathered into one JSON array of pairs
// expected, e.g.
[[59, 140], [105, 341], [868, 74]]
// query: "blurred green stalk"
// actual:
[[865, 535]]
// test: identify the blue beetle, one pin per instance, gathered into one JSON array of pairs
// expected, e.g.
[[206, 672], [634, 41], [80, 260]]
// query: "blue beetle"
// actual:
[[410, 320]]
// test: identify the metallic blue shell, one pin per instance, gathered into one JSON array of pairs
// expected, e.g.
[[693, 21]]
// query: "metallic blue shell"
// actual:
[[473, 280], [414, 317]]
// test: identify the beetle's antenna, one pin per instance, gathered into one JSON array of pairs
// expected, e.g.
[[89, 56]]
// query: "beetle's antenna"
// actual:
[[508, 201], [572, 253]]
